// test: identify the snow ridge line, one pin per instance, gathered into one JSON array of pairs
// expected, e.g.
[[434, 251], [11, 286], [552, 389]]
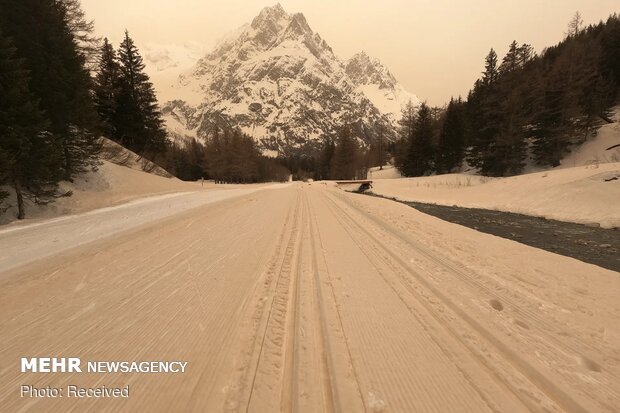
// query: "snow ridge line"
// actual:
[[555, 393]]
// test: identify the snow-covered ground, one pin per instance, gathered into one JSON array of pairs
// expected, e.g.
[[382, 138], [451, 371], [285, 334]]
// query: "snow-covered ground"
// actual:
[[311, 297], [585, 194]]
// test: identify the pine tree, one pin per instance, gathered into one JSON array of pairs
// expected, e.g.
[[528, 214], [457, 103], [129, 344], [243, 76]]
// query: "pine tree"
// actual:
[[88, 45], [139, 125], [551, 131], [29, 161], [378, 151], [595, 88], [325, 158], [525, 54], [214, 157], [107, 90], [511, 61], [451, 145], [486, 98], [58, 78], [491, 72], [346, 159], [406, 130], [421, 153], [544, 104], [610, 41]]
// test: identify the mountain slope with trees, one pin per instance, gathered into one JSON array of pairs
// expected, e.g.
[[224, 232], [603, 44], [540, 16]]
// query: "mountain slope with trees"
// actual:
[[526, 108]]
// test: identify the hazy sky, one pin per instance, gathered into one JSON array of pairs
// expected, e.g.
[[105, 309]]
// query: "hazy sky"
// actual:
[[435, 48]]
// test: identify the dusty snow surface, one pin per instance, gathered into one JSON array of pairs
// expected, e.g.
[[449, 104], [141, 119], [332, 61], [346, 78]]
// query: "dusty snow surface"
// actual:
[[306, 298], [110, 185], [587, 194], [25, 243]]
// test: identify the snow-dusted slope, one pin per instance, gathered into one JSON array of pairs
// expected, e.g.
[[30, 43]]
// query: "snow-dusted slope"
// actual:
[[602, 148], [281, 82], [376, 82], [164, 63]]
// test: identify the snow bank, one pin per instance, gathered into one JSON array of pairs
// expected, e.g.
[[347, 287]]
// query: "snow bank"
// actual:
[[111, 184], [587, 194]]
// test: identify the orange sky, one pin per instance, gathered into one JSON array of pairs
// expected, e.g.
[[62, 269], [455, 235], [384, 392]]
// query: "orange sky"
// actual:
[[434, 47]]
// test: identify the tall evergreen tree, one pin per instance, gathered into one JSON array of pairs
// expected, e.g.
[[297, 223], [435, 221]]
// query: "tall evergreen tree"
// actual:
[[346, 160], [88, 45], [610, 41], [139, 125], [406, 131], [29, 161], [491, 71], [525, 54], [107, 89], [511, 61], [325, 159], [451, 145], [552, 120], [378, 151], [487, 99], [58, 77], [421, 152]]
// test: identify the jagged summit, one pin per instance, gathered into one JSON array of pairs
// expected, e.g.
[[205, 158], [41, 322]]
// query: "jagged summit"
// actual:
[[363, 69], [373, 79], [281, 82]]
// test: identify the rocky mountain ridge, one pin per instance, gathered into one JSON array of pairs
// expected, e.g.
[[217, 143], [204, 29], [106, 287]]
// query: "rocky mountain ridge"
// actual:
[[282, 83]]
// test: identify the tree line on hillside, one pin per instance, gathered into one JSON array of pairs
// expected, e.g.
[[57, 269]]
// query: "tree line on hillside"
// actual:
[[339, 157], [526, 106], [229, 156]]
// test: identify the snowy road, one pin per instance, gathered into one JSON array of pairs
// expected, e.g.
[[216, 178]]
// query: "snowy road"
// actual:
[[308, 299], [20, 245]]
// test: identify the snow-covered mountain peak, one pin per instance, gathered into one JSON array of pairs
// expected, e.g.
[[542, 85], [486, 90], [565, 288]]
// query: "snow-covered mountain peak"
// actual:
[[281, 82], [374, 80], [363, 69], [272, 14], [268, 25]]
